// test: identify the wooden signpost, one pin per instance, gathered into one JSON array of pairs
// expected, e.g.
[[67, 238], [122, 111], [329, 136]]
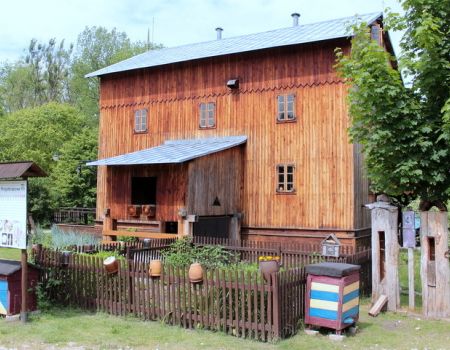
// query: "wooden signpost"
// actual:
[[14, 213]]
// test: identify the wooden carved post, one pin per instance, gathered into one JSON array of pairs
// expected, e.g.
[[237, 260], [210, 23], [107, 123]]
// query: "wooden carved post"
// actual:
[[385, 252], [435, 270]]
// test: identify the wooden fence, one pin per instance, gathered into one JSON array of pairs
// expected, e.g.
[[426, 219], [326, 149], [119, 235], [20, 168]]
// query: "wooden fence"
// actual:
[[231, 301]]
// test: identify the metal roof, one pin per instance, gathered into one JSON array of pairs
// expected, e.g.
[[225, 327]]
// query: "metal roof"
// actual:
[[307, 33], [174, 151], [8, 267], [12, 170]]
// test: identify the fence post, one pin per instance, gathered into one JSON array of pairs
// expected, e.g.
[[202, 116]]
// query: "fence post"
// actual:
[[276, 327]]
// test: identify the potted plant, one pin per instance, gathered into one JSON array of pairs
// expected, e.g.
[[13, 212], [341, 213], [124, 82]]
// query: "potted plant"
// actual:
[[268, 264]]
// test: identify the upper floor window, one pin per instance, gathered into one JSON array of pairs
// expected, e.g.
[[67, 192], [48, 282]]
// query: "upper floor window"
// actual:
[[285, 178], [140, 120], [208, 115], [286, 107]]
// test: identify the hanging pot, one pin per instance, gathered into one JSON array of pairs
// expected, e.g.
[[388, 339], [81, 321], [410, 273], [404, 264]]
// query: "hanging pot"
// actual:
[[111, 265], [155, 267], [195, 273], [268, 267]]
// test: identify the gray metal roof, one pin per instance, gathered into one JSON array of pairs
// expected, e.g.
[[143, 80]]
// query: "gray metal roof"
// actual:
[[307, 33], [174, 151], [8, 267]]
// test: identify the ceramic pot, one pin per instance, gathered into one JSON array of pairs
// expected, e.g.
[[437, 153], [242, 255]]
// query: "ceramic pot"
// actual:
[[111, 265], [268, 267], [155, 267], [195, 273]]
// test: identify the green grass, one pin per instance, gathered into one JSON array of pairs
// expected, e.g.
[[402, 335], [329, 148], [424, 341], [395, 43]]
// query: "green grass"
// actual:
[[67, 328], [10, 253]]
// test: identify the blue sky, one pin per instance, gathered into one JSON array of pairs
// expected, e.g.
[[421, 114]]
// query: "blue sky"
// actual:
[[171, 23]]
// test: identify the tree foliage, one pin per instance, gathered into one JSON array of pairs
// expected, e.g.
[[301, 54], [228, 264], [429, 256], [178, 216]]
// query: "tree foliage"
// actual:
[[402, 129], [74, 183], [37, 134]]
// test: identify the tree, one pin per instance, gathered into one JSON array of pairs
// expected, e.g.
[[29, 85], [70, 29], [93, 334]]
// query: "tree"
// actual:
[[97, 48], [37, 134], [50, 66], [74, 183], [402, 129], [15, 87]]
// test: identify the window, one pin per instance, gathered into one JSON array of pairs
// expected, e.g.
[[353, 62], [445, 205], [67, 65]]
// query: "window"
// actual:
[[140, 120], [207, 115], [285, 174], [286, 108], [143, 190]]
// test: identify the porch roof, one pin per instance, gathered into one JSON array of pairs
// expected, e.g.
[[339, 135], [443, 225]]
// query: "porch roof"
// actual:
[[174, 151]]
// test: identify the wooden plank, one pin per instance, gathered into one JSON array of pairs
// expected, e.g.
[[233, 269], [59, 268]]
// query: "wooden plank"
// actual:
[[378, 306], [154, 235], [411, 291]]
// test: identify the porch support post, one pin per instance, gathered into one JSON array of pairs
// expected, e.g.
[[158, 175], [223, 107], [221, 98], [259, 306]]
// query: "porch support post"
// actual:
[[235, 227]]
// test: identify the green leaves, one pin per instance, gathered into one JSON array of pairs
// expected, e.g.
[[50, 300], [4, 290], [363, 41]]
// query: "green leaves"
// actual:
[[404, 131]]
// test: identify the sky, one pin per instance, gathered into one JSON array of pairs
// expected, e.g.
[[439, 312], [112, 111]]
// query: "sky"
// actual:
[[170, 22]]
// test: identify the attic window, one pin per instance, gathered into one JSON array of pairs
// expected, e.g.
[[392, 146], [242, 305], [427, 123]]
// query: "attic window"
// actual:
[[207, 115], [286, 108], [140, 121], [285, 178]]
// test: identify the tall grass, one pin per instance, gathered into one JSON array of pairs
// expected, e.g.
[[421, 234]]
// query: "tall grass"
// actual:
[[59, 239]]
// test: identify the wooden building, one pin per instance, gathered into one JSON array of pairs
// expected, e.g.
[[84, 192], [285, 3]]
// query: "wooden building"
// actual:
[[263, 119]]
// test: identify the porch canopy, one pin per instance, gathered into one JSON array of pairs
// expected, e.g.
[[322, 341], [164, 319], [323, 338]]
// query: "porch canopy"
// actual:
[[174, 151]]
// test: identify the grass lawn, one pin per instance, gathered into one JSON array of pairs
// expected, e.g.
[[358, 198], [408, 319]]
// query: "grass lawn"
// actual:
[[69, 328], [9, 253]]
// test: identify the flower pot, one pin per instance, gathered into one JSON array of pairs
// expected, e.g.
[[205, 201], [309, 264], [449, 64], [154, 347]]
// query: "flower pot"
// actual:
[[155, 267], [268, 267], [195, 273], [111, 265], [65, 257]]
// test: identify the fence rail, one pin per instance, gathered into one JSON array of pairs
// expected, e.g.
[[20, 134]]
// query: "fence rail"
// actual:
[[80, 216]]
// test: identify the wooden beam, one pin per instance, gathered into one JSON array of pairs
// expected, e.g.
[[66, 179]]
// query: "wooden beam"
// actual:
[[378, 306], [155, 235]]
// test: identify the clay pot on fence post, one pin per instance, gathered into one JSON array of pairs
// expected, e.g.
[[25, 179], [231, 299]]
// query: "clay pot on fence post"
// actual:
[[268, 267], [195, 273], [155, 267], [111, 265]]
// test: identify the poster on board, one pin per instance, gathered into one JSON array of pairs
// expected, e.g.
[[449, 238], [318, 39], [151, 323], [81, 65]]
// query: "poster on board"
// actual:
[[13, 214]]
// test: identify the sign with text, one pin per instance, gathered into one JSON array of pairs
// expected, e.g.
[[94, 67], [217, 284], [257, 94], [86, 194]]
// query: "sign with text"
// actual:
[[409, 231], [13, 214]]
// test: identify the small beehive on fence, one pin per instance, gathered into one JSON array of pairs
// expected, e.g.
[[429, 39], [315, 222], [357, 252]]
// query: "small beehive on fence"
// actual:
[[11, 289], [331, 246], [332, 298]]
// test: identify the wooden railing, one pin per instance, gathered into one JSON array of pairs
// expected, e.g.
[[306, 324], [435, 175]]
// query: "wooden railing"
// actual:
[[79, 216]]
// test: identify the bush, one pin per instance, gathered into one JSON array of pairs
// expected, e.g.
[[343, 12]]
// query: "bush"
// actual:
[[183, 252]]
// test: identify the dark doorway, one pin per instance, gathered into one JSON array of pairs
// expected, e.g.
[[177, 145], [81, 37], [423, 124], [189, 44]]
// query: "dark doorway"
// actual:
[[212, 226], [143, 190], [171, 227]]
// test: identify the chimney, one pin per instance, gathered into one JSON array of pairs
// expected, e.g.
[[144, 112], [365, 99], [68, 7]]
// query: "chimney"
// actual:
[[219, 33], [295, 17]]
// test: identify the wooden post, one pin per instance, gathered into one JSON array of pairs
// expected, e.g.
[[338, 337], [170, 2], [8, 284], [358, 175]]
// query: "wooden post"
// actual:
[[24, 305], [435, 269], [385, 253], [411, 291]]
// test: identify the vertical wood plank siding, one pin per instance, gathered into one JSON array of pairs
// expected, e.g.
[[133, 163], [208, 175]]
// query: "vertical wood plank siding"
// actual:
[[317, 143]]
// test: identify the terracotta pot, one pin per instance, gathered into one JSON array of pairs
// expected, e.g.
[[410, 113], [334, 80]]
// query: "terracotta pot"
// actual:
[[155, 267], [111, 264], [268, 267], [195, 273]]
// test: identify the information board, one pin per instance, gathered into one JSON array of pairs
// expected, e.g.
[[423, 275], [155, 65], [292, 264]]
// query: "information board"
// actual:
[[13, 214]]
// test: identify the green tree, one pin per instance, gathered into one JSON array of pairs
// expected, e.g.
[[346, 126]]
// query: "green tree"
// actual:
[[402, 129], [37, 134], [97, 48], [50, 67], [15, 87], [74, 183]]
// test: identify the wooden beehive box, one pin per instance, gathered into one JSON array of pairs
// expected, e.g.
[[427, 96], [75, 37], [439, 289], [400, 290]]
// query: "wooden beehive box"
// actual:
[[11, 290]]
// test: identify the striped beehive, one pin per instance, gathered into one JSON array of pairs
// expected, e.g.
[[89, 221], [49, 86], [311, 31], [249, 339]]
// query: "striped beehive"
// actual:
[[332, 295]]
